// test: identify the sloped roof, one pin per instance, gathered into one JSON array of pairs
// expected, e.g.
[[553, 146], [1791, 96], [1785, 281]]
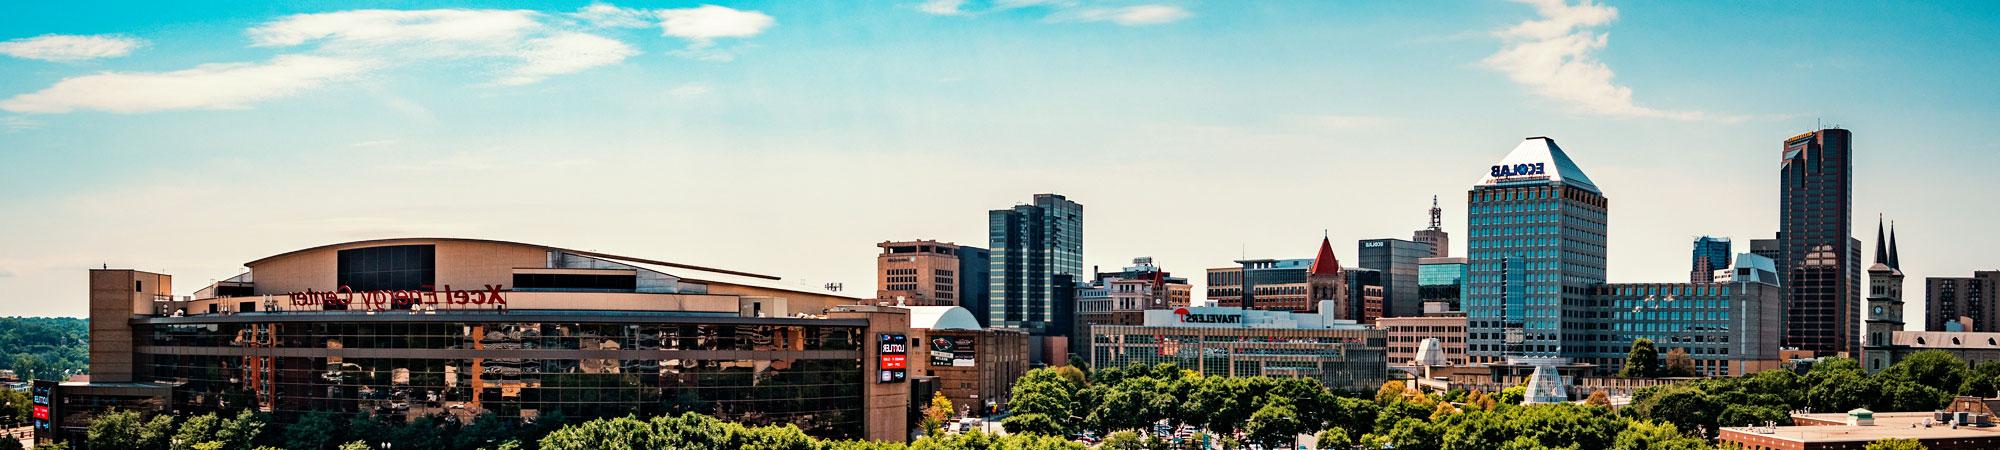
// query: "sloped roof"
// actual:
[[1325, 263], [1556, 166]]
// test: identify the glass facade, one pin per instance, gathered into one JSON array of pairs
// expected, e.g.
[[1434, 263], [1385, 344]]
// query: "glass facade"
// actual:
[[808, 375], [1397, 259], [1341, 359], [1037, 259], [1535, 248], [1441, 282], [1710, 254], [1820, 259]]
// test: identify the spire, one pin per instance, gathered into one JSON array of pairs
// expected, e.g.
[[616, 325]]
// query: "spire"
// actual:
[[1894, 262], [1325, 263], [1881, 245]]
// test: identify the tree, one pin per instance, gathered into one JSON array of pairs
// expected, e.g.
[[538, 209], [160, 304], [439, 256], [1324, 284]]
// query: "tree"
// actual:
[[1643, 361], [1599, 399], [1681, 404], [355, 445], [1930, 368], [1895, 444], [1894, 394], [486, 431], [1838, 390], [195, 432], [1512, 395], [115, 430], [1648, 435], [1983, 380], [1750, 415], [11, 444], [1680, 364], [1274, 424], [935, 415], [313, 431], [1045, 393], [1332, 439]]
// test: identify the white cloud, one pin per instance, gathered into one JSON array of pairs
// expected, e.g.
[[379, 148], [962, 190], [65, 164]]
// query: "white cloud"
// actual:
[[611, 16], [59, 47], [208, 86], [1555, 57], [382, 27], [565, 53], [16, 124], [709, 22], [1153, 14], [943, 7]]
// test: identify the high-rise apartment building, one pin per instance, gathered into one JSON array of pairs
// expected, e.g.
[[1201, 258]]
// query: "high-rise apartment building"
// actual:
[[1819, 257], [1963, 303], [1397, 259], [1037, 261], [1535, 246], [1434, 235], [918, 273], [1710, 254], [1885, 306]]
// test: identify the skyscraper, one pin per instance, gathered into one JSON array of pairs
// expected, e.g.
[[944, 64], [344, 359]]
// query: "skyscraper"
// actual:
[[1536, 234], [1819, 257], [1397, 259], [1037, 261], [975, 269], [1710, 254], [1439, 240]]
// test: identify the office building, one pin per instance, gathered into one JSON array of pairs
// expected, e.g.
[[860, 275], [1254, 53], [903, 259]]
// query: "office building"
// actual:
[[975, 278], [918, 273], [1407, 335], [974, 366], [1441, 280], [1963, 303], [1229, 341], [1037, 262], [1710, 254], [1819, 255], [459, 327], [1365, 301], [1535, 248], [1286, 284], [1397, 260], [1123, 297], [1885, 306], [1434, 235], [1728, 329]]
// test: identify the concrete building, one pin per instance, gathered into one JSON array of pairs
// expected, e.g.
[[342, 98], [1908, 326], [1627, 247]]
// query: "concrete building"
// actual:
[[1963, 303], [1535, 245], [1037, 262], [1407, 334], [1123, 297], [1397, 259], [1729, 329], [1820, 258], [973, 366], [1434, 235], [1230, 341], [1885, 306], [918, 273], [1710, 254], [442, 326]]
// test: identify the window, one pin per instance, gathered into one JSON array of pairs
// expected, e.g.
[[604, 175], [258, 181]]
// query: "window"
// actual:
[[396, 267]]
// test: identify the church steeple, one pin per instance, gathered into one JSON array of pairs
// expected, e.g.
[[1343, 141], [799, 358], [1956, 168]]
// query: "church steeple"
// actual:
[[1325, 263], [1894, 262], [1881, 244]]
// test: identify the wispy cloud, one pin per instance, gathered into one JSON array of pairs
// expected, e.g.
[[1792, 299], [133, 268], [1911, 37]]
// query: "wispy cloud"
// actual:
[[16, 124], [61, 47], [539, 48], [691, 90], [1067, 11], [208, 86], [700, 26], [1555, 56], [1127, 16]]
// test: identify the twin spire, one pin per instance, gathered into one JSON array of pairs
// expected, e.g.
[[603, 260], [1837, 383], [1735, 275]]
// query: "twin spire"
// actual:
[[1885, 250]]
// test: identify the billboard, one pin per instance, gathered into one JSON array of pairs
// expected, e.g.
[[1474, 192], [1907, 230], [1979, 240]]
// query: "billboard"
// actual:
[[894, 360], [953, 351]]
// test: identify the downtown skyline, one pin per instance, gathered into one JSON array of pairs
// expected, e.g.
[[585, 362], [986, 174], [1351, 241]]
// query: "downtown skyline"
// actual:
[[823, 131]]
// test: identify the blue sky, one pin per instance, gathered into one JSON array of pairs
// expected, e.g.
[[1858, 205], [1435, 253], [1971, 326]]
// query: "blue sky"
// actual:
[[787, 138]]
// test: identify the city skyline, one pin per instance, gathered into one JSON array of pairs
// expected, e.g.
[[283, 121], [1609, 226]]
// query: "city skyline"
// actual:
[[964, 110]]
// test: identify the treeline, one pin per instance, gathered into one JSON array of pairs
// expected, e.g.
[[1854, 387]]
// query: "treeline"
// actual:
[[1923, 381], [44, 348]]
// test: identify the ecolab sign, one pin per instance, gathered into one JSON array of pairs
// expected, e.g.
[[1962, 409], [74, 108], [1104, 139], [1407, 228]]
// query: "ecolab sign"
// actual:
[[1519, 170]]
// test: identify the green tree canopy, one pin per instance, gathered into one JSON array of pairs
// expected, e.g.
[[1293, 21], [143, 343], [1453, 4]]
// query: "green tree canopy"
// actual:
[[1643, 361]]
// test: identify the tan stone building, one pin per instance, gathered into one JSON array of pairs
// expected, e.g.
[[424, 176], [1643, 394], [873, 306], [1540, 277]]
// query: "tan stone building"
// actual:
[[920, 273], [1406, 335]]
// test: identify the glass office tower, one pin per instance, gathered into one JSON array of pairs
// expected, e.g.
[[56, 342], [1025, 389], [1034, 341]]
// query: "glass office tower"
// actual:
[[1441, 280], [1710, 253], [1536, 248], [1037, 259], [1819, 258]]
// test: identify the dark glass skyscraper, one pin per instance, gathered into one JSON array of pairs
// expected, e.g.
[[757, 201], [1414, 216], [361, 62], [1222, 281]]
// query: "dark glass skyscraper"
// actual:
[[1397, 259], [1536, 235], [1037, 260], [975, 266], [1710, 253], [1819, 257]]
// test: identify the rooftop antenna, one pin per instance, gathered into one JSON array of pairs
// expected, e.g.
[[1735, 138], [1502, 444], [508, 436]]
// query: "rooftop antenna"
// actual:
[[1437, 215]]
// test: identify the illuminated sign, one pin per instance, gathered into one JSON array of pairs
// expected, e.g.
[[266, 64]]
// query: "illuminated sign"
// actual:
[[894, 361], [493, 296], [1519, 170], [44, 411], [953, 351]]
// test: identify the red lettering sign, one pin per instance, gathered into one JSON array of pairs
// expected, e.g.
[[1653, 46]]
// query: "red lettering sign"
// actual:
[[494, 296]]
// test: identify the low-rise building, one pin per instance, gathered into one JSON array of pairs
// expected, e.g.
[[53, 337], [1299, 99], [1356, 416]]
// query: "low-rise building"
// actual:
[[1229, 341], [1407, 334], [974, 367], [1966, 424]]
